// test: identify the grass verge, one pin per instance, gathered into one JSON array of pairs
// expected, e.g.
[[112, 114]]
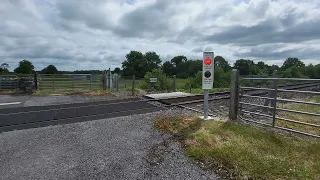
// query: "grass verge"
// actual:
[[238, 151], [301, 117]]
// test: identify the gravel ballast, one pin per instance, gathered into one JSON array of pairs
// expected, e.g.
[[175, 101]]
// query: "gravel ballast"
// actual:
[[116, 148]]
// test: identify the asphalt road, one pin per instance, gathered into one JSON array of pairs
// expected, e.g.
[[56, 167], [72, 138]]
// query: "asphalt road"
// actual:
[[9, 101], [116, 148]]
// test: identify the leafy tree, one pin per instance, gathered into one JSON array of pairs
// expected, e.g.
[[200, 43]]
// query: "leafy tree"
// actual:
[[139, 64], [117, 70], [293, 72], [272, 68], [4, 68], [134, 65], [51, 69], [25, 67], [222, 63], [177, 60], [168, 68], [317, 71], [292, 62], [153, 60], [246, 67]]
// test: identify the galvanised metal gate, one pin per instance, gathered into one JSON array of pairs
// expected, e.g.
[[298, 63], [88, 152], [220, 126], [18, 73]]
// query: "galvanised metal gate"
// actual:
[[290, 109], [70, 82], [9, 82]]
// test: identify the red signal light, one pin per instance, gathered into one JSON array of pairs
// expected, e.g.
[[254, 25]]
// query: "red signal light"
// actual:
[[207, 61]]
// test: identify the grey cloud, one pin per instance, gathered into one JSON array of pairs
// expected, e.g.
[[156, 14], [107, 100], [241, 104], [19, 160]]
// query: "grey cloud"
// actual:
[[201, 49], [149, 21], [271, 52], [79, 11], [268, 32]]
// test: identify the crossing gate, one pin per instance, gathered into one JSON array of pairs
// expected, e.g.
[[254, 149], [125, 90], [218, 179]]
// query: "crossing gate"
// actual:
[[277, 106], [70, 81]]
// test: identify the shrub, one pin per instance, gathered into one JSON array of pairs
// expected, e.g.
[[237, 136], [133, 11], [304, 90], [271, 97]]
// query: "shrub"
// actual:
[[163, 82]]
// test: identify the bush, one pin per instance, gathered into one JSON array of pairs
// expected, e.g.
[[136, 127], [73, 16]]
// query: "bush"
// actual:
[[221, 79], [163, 82]]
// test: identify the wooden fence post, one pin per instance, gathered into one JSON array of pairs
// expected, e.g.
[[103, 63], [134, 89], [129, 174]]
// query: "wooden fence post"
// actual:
[[133, 84], [234, 95]]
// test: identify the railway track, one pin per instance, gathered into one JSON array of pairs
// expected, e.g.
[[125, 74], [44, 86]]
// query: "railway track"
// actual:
[[198, 98]]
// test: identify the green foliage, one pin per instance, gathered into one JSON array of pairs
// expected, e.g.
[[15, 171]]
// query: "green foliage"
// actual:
[[219, 61], [51, 69], [117, 70], [182, 67], [163, 82], [4, 68], [294, 72], [139, 64], [25, 67], [291, 62], [221, 79]]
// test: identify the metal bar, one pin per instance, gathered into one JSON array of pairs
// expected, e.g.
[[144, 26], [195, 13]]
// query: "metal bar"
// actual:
[[296, 131], [307, 92], [257, 105], [259, 114], [257, 122], [254, 88], [259, 97], [293, 79], [299, 112], [282, 128], [302, 102], [274, 103], [299, 122]]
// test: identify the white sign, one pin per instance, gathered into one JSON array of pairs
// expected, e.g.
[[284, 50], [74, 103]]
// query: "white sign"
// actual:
[[207, 70], [153, 80]]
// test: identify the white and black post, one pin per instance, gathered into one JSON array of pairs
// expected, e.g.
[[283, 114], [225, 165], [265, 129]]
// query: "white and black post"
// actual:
[[207, 80]]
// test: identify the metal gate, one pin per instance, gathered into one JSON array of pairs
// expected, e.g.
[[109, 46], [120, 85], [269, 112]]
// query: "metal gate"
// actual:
[[70, 82], [294, 108], [9, 82]]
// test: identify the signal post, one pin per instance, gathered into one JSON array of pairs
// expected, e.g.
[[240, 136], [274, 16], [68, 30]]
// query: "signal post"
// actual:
[[207, 80]]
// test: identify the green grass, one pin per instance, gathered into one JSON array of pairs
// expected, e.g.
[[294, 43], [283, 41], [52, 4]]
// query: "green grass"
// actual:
[[301, 117], [180, 83], [245, 151]]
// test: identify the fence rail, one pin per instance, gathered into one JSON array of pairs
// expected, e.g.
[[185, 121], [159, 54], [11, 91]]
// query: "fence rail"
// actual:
[[268, 112]]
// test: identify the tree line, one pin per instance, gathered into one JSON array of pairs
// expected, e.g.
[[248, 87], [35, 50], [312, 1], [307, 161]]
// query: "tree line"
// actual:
[[140, 64]]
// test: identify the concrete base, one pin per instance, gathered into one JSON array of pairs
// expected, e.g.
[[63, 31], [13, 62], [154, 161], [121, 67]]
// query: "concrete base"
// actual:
[[207, 119], [168, 95]]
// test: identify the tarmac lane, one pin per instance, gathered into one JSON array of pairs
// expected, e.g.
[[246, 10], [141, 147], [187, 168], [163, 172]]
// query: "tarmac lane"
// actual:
[[11, 101]]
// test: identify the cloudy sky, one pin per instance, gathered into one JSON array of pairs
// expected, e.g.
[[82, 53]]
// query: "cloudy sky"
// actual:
[[97, 34]]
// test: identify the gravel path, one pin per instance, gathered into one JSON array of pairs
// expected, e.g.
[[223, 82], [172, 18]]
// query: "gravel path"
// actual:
[[116, 148]]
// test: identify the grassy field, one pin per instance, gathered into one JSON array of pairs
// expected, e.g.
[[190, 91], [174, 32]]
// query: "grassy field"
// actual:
[[59, 83], [237, 151], [301, 117]]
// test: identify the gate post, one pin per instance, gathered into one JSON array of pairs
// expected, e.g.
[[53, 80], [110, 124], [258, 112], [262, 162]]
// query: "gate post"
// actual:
[[35, 80], [234, 95], [174, 83], [133, 84], [104, 80]]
